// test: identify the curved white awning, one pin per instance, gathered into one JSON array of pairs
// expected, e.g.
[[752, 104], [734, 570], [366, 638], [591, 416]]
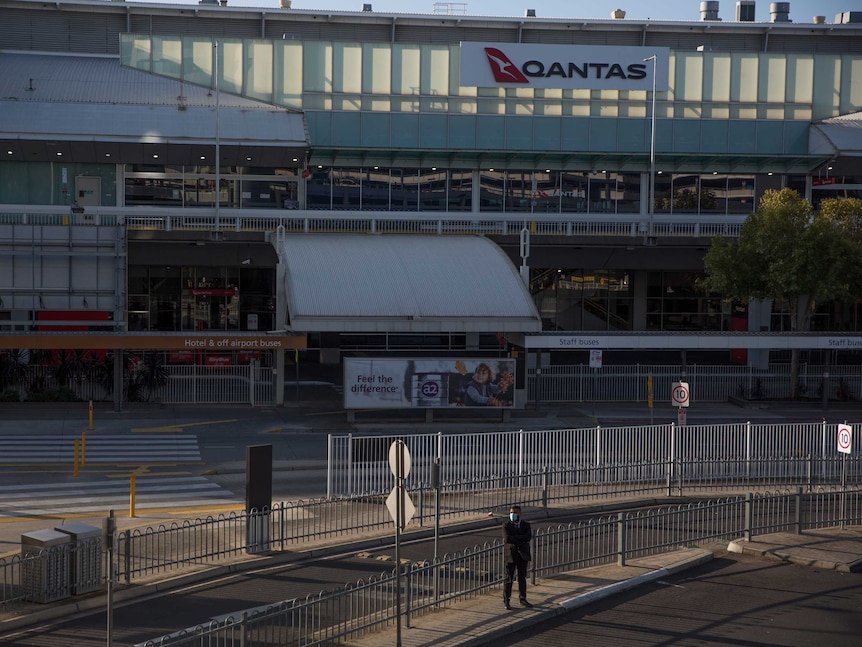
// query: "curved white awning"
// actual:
[[403, 284]]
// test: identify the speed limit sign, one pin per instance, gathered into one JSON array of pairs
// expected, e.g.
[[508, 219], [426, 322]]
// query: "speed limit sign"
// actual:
[[679, 394], [845, 438]]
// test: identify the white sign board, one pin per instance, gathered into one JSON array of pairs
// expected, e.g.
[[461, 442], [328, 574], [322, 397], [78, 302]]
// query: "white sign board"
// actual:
[[585, 67], [595, 359], [845, 439], [679, 394]]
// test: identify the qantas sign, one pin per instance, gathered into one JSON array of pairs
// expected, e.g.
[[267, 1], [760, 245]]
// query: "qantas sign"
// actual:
[[563, 66]]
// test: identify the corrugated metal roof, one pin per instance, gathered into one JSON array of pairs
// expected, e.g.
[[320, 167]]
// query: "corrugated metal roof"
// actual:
[[69, 78], [95, 98], [837, 136], [404, 283]]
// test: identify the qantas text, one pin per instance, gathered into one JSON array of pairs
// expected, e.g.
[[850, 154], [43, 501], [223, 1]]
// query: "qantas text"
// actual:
[[585, 70]]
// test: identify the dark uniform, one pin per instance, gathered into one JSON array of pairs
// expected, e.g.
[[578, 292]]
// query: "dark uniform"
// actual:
[[516, 539]]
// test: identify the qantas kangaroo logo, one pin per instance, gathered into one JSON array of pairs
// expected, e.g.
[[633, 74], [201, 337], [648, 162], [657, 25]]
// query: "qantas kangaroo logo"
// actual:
[[505, 71]]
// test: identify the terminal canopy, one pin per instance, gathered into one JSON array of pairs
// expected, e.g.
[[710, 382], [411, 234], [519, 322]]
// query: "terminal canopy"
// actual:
[[403, 284]]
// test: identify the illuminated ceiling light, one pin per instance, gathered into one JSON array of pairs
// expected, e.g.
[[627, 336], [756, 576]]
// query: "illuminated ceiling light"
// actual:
[[203, 157], [547, 170], [660, 172], [9, 152], [295, 160], [770, 173], [247, 159], [828, 168], [433, 168], [715, 172], [155, 157], [376, 168], [319, 166], [59, 154], [491, 170], [107, 154]]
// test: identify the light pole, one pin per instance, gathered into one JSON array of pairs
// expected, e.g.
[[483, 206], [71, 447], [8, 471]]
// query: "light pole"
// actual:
[[651, 204], [217, 133]]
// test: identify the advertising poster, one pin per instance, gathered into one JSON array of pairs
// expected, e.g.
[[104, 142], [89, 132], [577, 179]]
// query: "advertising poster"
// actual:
[[428, 383]]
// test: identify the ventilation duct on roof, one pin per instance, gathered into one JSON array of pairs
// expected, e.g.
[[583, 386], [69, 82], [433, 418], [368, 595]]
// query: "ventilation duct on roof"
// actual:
[[530, 13], [779, 11], [745, 11], [709, 10]]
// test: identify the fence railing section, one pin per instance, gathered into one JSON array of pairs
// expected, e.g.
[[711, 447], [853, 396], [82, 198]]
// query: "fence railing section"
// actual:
[[368, 605], [349, 221], [727, 453], [629, 383]]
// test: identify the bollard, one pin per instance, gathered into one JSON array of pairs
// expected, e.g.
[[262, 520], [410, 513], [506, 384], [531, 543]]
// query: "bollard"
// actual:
[[75, 469], [83, 448], [91, 415], [132, 496]]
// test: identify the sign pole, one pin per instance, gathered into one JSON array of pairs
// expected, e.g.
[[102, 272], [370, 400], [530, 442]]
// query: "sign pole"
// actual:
[[399, 521]]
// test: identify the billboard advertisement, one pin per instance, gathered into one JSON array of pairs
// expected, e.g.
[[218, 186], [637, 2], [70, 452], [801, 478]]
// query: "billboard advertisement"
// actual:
[[428, 383]]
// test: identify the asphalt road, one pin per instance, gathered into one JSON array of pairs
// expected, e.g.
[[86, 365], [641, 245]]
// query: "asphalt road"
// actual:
[[734, 600]]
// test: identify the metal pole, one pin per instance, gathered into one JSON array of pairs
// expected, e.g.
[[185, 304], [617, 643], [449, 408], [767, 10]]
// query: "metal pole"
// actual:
[[217, 136], [399, 519], [651, 204], [110, 532], [435, 479]]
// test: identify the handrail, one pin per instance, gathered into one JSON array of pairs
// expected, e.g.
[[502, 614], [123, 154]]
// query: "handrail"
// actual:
[[623, 226]]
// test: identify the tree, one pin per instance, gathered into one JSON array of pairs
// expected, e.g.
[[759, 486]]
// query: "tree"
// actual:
[[787, 252]]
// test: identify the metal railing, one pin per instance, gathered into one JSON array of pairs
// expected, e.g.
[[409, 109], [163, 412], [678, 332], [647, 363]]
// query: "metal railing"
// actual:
[[628, 383], [431, 222], [723, 453], [368, 605]]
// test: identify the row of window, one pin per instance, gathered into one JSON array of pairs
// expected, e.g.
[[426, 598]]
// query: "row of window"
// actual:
[[415, 189]]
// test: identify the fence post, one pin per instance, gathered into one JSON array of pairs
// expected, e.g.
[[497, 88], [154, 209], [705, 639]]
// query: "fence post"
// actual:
[[409, 597], [749, 519], [545, 488], [810, 469], [127, 554], [800, 521], [243, 628], [421, 504], [621, 539]]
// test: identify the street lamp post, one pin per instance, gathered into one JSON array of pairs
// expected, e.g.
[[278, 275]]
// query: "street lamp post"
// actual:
[[217, 134], [651, 204]]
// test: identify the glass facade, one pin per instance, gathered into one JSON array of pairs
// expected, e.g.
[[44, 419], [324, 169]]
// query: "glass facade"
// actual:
[[170, 298], [583, 299], [194, 186]]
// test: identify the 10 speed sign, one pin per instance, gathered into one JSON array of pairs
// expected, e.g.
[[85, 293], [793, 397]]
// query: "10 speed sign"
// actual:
[[845, 438], [679, 394]]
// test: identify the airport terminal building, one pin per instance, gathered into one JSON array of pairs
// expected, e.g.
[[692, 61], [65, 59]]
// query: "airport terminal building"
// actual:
[[368, 184]]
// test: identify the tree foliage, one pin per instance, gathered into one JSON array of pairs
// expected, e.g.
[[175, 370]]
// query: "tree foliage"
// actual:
[[787, 252]]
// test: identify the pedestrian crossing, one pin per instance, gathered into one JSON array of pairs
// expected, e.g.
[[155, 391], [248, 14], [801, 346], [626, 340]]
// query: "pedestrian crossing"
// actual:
[[17, 450], [81, 497]]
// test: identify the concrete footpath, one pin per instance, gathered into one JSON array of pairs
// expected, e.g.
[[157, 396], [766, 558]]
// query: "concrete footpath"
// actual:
[[483, 620]]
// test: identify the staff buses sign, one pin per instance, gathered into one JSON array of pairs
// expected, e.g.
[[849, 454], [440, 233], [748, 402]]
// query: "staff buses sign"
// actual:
[[588, 67]]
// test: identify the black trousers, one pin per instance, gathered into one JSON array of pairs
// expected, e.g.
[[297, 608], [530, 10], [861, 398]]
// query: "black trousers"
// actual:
[[511, 567]]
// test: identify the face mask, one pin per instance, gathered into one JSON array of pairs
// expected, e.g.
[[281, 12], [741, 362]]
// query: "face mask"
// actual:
[[513, 516]]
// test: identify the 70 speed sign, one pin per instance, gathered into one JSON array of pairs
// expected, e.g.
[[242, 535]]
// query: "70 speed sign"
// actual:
[[679, 394]]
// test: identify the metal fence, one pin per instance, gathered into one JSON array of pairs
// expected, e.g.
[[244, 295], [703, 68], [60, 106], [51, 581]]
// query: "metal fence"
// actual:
[[370, 605], [165, 549], [631, 225], [715, 452], [183, 384], [628, 383]]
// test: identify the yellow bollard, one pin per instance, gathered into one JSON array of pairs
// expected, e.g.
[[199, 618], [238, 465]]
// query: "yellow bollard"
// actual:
[[132, 497], [91, 415], [75, 471], [83, 448]]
